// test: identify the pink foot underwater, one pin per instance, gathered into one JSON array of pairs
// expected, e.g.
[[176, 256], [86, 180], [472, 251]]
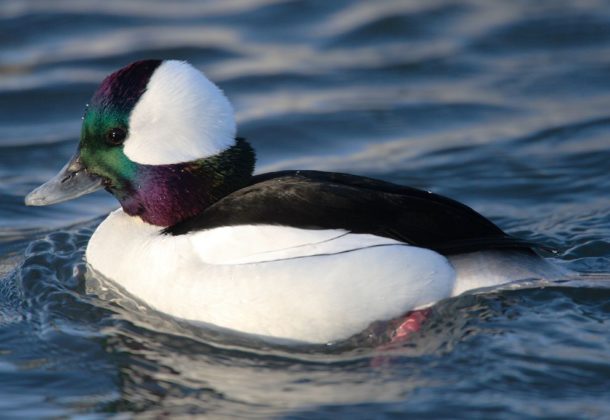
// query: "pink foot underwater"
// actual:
[[408, 325]]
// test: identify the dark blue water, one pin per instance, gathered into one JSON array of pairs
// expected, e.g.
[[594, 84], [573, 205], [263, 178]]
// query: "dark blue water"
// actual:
[[503, 105]]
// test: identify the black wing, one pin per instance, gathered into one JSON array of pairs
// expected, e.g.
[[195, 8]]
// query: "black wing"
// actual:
[[324, 200]]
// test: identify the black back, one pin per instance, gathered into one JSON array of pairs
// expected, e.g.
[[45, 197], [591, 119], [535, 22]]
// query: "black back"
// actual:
[[324, 200]]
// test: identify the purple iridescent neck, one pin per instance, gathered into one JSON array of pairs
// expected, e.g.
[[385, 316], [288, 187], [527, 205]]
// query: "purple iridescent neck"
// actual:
[[164, 195]]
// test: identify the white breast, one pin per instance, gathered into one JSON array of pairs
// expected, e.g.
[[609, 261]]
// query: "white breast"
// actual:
[[311, 286]]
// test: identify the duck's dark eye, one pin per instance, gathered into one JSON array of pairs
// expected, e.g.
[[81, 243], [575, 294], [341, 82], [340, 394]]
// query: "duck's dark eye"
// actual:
[[116, 136]]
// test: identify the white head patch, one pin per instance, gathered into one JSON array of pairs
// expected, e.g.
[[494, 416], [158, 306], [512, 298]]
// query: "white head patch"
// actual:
[[181, 117]]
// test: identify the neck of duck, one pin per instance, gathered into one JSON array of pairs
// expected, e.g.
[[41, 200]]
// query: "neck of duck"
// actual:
[[164, 195]]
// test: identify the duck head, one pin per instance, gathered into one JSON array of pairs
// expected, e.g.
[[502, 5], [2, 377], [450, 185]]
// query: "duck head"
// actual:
[[160, 137]]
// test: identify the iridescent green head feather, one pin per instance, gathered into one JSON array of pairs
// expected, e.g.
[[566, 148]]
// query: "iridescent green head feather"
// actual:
[[161, 138], [106, 123]]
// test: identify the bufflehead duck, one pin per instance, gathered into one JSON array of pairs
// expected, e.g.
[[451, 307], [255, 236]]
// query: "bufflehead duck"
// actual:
[[303, 256]]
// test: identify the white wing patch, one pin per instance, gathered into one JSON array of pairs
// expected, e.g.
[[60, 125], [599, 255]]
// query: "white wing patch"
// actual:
[[181, 117]]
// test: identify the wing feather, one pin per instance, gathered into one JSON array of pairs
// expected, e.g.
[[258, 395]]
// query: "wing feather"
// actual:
[[323, 200]]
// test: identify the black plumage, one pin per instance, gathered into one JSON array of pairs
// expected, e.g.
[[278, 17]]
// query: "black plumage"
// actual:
[[324, 200]]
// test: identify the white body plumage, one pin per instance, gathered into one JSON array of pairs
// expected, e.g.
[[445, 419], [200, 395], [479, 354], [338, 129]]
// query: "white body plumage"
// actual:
[[283, 283], [275, 282]]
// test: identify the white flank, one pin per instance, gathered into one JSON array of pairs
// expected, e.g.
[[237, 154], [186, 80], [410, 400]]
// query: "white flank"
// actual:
[[181, 117], [279, 283], [254, 244]]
